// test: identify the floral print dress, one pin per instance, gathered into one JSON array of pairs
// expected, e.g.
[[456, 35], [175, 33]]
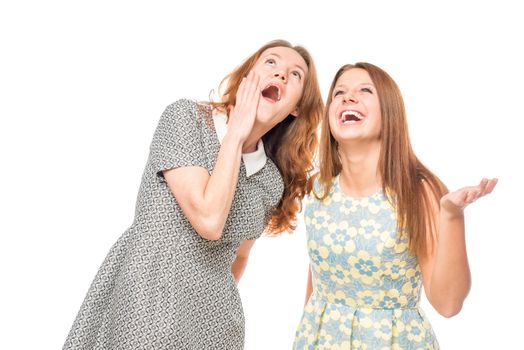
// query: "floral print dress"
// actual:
[[366, 285]]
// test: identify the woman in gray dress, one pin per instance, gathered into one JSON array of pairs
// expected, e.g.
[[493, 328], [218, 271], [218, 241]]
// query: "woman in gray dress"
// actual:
[[218, 175]]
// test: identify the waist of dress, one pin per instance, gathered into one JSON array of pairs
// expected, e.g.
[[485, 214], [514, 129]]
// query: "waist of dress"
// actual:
[[350, 305]]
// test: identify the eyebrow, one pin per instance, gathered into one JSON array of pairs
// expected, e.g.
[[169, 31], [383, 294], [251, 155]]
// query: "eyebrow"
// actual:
[[296, 65], [361, 84]]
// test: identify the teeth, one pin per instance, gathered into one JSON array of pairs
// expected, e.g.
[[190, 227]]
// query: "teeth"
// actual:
[[345, 116], [353, 113]]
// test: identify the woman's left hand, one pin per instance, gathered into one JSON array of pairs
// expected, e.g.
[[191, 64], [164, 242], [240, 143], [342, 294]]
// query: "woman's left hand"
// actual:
[[455, 202]]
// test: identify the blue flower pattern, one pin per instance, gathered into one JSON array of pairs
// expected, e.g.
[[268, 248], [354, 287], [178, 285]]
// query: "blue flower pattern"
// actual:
[[366, 284]]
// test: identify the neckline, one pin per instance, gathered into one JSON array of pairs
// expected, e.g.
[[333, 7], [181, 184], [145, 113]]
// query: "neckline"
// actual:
[[353, 198]]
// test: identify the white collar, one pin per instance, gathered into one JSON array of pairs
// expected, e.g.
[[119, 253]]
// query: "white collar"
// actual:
[[253, 161]]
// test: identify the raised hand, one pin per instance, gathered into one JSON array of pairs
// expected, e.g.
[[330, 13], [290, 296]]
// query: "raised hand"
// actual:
[[242, 115], [455, 202]]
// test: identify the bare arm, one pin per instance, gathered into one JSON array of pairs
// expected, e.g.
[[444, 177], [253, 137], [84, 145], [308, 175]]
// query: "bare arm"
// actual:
[[240, 263], [445, 269], [206, 199]]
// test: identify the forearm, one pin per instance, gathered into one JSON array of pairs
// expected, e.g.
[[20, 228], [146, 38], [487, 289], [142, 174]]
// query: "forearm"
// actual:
[[220, 189], [451, 278], [206, 199], [447, 278]]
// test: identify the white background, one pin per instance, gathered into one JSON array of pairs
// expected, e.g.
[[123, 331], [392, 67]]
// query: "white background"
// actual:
[[83, 84]]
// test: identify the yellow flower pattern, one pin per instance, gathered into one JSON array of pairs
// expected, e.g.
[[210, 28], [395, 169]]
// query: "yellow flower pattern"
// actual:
[[366, 285]]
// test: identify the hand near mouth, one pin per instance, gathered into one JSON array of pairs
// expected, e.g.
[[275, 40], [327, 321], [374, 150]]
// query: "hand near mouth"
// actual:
[[242, 116]]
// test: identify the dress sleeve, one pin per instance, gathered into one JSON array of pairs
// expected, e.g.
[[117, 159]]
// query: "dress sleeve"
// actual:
[[177, 141]]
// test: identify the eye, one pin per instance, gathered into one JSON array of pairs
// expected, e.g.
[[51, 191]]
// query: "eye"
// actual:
[[337, 93], [270, 61], [368, 90], [297, 75]]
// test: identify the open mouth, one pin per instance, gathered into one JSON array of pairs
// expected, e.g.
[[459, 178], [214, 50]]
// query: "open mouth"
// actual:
[[351, 117], [272, 92]]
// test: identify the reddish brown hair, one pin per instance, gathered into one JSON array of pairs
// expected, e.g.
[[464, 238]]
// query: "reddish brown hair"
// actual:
[[413, 186], [291, 144]]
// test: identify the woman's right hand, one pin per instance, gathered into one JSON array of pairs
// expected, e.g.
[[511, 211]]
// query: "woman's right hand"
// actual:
[[243, 114]]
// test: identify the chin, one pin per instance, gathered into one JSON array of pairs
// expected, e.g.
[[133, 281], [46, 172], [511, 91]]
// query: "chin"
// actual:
[[345, 137], [265, 119], [265, 115]]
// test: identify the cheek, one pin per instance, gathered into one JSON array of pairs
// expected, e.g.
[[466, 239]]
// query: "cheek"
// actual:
[[294, 96], [334, 131], [332, 120], [332, 110], [297, 96], [378, 123], [298, 91]]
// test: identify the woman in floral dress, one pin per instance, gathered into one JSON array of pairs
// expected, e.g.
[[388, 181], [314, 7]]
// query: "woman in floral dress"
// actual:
[[379, 225]]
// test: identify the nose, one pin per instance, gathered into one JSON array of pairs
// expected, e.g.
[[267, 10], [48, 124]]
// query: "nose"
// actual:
[[280, 75], [349, 97]]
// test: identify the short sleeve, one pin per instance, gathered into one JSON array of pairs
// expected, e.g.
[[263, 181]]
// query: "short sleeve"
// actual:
[[177, 141]]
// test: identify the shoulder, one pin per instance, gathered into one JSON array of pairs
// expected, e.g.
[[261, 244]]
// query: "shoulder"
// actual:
[[186, 109], [315, 184], [316, 190], [183, 104], [186, 103], [322, 189]]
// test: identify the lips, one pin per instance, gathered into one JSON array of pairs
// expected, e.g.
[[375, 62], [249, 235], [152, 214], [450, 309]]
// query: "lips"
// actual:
[[351, 116], [272, 92]]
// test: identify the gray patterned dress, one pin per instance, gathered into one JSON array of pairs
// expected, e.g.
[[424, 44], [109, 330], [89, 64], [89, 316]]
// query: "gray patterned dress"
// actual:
[[162, 286]]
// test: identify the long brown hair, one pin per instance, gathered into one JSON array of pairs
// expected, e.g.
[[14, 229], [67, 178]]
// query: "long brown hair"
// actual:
[[291, 144], [413, 186]]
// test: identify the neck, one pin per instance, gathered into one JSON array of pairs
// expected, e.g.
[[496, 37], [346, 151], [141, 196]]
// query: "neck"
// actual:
[[360, 175]]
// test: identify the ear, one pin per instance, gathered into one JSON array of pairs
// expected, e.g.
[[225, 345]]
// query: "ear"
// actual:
[[295, 112]]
